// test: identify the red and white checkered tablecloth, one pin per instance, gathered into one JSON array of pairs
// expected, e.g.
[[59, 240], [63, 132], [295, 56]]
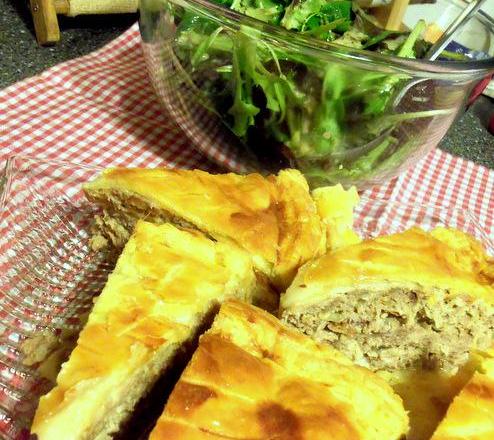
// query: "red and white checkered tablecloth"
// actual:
[[100, 110]]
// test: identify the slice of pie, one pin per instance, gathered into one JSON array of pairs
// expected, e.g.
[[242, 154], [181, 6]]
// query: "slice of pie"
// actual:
[[274, 218], [412, 306], [407, 300], [165, 287], [253, 378]]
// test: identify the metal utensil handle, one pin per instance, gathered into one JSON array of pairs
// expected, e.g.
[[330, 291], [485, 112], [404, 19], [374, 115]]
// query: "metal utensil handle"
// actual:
[[457, 24]]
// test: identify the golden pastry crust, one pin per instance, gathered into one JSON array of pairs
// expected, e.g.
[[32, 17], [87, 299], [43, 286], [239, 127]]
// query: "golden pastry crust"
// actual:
[[443, 259], [302, 233], [226, 206], [335, 206], [253, 378], [164, 285], [471, 415]]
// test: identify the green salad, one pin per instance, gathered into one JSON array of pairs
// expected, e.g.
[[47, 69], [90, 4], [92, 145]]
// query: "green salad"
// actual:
[[334, 121]]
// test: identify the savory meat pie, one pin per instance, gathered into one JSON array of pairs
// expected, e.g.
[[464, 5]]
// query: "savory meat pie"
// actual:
[[274, 218], [413, 299], [166, 285], [254, 378]]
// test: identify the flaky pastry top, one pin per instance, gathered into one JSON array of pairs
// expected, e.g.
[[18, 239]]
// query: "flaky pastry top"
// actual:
[[164, 283], [444, 259], [253, 378]]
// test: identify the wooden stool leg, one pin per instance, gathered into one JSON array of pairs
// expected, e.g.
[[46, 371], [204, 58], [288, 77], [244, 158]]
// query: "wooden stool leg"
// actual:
[[45, 21], [45, 12], [391, 16]]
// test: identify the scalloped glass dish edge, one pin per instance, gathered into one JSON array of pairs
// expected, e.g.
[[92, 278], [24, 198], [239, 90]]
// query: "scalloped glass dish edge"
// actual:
[[49, 275]]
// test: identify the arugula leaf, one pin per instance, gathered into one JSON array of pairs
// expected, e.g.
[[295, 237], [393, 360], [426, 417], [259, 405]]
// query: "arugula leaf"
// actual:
[[365, 22], [335, 10], [324, 30], [379, 37], [385, 122], [250, 73], [299, 11], [191, 39], [203, 48], [448, 55], [227, 3], [353, 38], [243, 109], [193, 21], [269, 11], [314, 15], [406, 50]]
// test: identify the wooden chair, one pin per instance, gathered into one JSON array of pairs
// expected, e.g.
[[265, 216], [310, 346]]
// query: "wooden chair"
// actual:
[[45, 13]]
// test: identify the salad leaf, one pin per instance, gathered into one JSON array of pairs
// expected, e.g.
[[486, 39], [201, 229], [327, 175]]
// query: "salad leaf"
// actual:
[[391, 44], [407, 50], [227, 3], [298, 12], [336, 121], [353, 38], [268, 11], [379, 37], [318, 17], [448, 55], [365, 22], [203, 48], [243, 109], [335, 10]]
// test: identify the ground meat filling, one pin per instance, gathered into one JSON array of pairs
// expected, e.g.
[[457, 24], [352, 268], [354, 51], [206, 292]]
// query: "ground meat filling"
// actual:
[[120, 213], [400, 328]]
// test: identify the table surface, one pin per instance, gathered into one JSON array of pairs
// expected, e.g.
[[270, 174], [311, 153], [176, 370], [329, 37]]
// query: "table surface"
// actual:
[[21, 57]]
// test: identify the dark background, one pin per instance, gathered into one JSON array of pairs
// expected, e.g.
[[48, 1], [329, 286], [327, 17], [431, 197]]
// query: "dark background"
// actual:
[[21, 57]]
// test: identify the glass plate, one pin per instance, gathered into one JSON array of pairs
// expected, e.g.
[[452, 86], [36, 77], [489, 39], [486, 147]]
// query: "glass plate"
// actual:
[[49, 274]]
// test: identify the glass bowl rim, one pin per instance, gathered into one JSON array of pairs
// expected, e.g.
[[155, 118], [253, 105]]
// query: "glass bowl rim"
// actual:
[[442, 70]]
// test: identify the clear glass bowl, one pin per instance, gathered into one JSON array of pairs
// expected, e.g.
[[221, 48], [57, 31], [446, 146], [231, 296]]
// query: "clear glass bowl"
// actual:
[[49, 275], [338, 114]]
